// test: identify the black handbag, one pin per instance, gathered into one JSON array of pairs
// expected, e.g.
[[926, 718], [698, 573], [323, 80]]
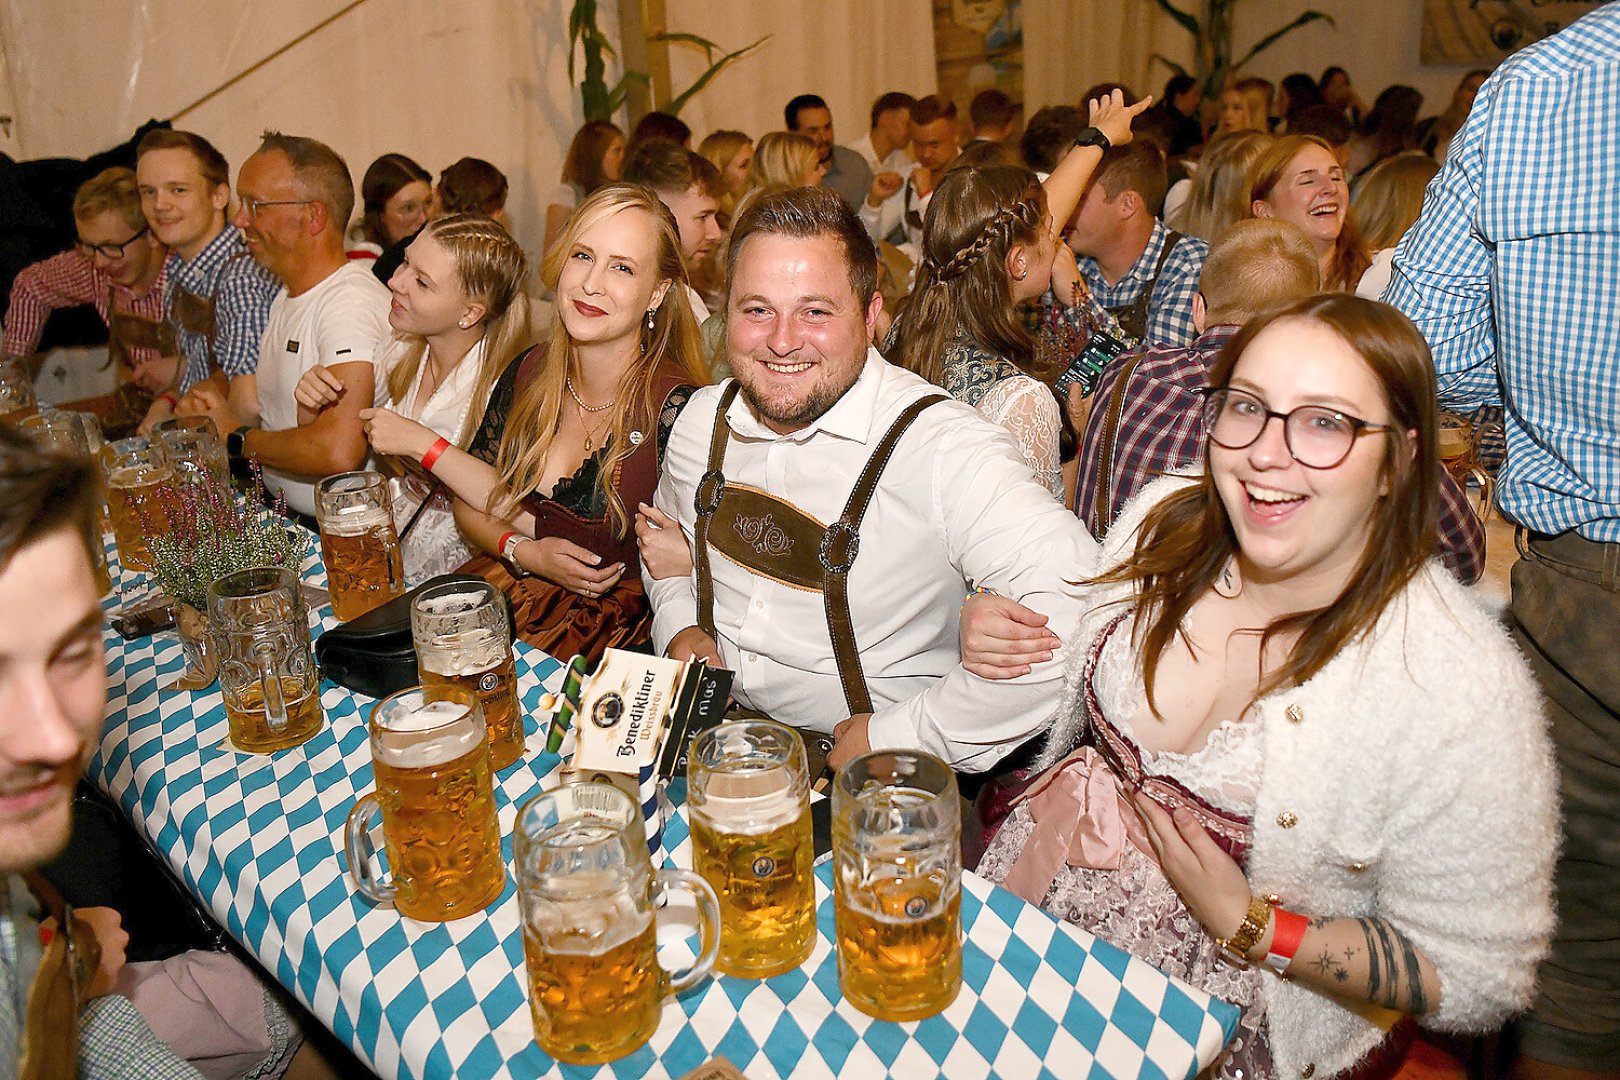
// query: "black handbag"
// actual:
[[374, 654]]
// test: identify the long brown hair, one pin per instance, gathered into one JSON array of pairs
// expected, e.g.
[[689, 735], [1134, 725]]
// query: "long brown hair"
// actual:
[[1219, 195], [672, 347], [962, 286], [1350, 258], [1185, 541], [491, 269], [583, 165]]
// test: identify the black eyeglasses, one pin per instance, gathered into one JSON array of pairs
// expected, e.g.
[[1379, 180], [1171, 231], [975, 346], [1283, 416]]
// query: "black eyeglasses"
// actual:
[[1316, 436], [110, 251]]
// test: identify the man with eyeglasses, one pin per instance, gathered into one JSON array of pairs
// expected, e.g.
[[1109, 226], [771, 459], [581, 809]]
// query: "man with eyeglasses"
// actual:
[[296, 197], [116, 265], [1152, 410], [218, 298]]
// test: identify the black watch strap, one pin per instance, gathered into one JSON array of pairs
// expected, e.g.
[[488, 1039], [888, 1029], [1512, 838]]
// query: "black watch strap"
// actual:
[[236, 442], [1093, 137]]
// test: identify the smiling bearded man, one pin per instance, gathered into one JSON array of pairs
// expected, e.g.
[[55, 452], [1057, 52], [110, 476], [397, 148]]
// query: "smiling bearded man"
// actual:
[[849, 628]]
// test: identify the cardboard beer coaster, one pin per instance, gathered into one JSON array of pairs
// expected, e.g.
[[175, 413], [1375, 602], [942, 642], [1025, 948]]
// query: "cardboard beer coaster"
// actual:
[[716, 1068]]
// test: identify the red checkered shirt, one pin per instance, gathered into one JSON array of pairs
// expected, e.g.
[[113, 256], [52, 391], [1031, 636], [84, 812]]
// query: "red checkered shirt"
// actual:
[[1161, 428], [67, 280]]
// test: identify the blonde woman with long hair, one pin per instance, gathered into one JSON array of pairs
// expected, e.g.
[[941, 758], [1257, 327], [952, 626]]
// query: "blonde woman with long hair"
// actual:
[[574, 434], [1218, 194], [459, 315], [784, 158], [1387, 202]]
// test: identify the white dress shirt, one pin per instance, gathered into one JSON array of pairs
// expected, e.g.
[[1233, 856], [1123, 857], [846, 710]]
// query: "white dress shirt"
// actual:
[[956, 508], [899, 159], [881, 220]]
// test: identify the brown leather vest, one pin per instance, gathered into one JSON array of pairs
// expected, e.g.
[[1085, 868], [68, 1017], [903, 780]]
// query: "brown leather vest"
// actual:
[[773, 538], [194, 313], [127, 331]]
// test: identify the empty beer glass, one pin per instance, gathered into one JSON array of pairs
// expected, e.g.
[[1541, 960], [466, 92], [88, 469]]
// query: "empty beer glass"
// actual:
[[267, 671], [17, 401], [135, 471], [358, 542], [194, 448], [76, 435], [897, 878], [437, 800], [463, 638], [748, 801], [588, 894]]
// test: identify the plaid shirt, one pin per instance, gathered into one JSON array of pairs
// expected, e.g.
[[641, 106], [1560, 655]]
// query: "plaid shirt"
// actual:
[[1513, 275], [68, 280], [1169, 320], [1161, 428], [241, 290]]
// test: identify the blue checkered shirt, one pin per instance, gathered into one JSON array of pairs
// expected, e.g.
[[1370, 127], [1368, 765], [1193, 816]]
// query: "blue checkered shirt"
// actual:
[[1513, 275], [241, 290], [1169, 317]]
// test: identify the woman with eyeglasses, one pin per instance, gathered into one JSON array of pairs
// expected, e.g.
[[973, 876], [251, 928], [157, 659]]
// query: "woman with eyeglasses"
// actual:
[[1296, 764]]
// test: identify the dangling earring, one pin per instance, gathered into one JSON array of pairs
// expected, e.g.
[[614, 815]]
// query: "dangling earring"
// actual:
[[651, 314]]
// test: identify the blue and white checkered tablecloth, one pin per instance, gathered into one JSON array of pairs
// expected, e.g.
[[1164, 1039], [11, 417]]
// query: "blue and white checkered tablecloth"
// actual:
[[259, 840]]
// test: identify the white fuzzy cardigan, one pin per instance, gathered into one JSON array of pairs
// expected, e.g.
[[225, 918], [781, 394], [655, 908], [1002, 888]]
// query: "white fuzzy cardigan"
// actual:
[[1412, 778]]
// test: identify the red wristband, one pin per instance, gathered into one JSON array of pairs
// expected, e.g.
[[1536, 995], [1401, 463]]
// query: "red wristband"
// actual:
[[431, 458], [1288, 931], [500, 545], [170, 398]]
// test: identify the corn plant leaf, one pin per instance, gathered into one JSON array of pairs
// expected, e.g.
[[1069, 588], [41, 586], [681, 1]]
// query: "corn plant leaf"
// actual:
[[673, 107], [1169, 63], [709, 48], [1187, 22], [1304, 19]]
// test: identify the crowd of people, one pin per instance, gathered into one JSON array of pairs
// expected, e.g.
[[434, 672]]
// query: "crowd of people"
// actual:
[[1218, 690]]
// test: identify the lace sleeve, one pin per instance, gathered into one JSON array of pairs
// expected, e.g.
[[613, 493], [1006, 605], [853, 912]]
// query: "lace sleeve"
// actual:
[[673, 404], [1027, 409], [486, 441]]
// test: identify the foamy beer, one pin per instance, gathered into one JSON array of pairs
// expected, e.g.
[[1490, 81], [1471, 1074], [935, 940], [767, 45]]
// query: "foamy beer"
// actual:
[[748, 798], [267, 672], [76, 435], [463, 638], [135, 471], [358, 543], [588, 894], [897, 881], [437, 800], [194, 449]]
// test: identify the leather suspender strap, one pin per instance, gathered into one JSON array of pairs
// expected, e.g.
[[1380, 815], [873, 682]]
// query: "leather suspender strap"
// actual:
[[706, 501], [839, 546], [1103, 485]]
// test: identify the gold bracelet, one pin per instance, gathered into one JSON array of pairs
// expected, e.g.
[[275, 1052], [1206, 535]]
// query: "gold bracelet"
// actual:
[[1249, 931]]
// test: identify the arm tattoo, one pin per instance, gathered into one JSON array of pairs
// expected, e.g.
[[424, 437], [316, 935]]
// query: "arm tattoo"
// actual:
[[1392, 968]]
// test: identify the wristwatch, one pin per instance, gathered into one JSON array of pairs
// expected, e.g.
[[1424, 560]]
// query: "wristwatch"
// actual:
[[509, 548], [235, 443], [1093, 137]]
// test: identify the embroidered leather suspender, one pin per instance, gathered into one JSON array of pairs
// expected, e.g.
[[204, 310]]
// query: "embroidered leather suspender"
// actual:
[[127, 331], [1133, 317], [773, 538], [195, 313]]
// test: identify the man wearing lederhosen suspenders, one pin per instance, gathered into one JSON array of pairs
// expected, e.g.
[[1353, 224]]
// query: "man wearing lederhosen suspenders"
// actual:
[[841, 507]]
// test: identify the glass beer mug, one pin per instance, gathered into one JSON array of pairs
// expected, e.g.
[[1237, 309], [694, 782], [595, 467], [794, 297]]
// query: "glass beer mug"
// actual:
[[364, 567], [76, 435], [588, 893], [17, 401], [135, 471], [463, 638], [748, 799], [267, 672], [194, 449], [897, 881], [436, 795]]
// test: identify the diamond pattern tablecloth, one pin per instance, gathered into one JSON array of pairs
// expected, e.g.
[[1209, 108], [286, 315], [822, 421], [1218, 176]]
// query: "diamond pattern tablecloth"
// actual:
[[259, 841]]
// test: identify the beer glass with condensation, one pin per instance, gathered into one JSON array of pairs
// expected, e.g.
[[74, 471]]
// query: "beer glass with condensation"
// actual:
[[17, 401], [194, 449], [358, 543], [436, 796], [463, 637], [135, 471], [748, 802], [588, 894], [267, 672], [76, 435], [897, 880]]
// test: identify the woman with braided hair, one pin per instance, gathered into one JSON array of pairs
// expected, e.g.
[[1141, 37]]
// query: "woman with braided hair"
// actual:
[[988, 245]]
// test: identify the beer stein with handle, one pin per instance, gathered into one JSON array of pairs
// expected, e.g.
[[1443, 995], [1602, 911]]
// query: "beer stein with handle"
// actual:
[[194, 449], [748, 801], [267, 671], [897, 884], [17, 401], [462, 636], [76, 435], [588, 894], [135, 471], [364, 566], [435, 794]]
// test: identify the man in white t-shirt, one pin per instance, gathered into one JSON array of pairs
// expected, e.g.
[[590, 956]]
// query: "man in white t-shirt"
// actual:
[[690, 187], [296, 194]]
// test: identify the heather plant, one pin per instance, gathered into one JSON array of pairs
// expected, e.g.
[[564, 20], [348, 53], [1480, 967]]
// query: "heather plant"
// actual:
[[212, 532]]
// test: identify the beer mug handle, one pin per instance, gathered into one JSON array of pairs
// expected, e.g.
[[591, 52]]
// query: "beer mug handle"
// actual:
[[708, 909], [357, 842], [275, 706]]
